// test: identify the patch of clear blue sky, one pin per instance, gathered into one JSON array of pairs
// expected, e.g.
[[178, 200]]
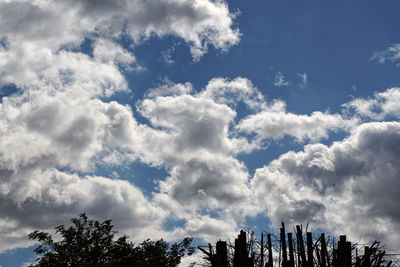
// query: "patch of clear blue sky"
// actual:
[[17, 257], [331, 41]]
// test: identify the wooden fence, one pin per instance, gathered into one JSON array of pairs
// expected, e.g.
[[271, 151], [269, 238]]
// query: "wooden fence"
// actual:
[[298, 250]]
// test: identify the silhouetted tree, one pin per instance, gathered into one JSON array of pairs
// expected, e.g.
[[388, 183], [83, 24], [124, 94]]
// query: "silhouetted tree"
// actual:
[[91, 243]]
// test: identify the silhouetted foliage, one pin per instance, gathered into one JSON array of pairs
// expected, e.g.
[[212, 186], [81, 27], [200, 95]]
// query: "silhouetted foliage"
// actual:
[[91, 243]]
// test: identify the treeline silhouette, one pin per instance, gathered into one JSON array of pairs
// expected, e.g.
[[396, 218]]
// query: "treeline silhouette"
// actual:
[[92, 243], [295, 250]]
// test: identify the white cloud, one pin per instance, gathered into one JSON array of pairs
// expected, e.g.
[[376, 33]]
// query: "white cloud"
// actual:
[[194, 142], [391, 54], [170, 89], [48, 134], [275, 123], [280, 80], [58, 125], [36, 199], [344, 188], [232, 92], [54, 23], [167, 55], [383, 104], [55, 133], [193, 135], [38, 69]]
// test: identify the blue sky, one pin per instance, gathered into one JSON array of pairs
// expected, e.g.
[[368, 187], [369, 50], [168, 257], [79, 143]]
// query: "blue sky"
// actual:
[[198, 118]]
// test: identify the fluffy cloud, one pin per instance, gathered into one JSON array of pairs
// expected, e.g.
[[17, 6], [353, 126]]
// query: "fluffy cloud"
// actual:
[[197, 147], [232, 92], [59, 128], [344, 188], [55, 23], [383, 104], [44, 143], [274, 123], [35, 199], [53, 133]]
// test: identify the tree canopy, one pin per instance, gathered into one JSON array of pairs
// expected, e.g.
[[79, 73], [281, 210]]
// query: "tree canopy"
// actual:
[[92, 243]]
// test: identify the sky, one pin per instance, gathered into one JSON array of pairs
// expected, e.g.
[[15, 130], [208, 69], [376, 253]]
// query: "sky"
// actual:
[[198, 118]]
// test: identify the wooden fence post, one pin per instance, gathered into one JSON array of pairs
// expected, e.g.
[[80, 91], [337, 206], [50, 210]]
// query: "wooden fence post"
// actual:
[[240, 257], [270, 258], [262, 249], [310, 254], [221, 257], [344, 252], [323, 251], [291, 252], [283, 243], [300, 245]]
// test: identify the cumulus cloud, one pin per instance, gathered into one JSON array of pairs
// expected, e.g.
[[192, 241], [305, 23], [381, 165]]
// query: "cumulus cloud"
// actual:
[[383, 104], [232, 92], [194, 136], [275, 123], [53, 23], [35, 199], [41, 39], [345, 188], [197, 148], [60, 127]]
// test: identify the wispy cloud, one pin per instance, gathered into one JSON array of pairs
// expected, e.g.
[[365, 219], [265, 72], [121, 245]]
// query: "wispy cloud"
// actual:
[[391, 54], [303, 79], [167, 55], [279, 80]]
